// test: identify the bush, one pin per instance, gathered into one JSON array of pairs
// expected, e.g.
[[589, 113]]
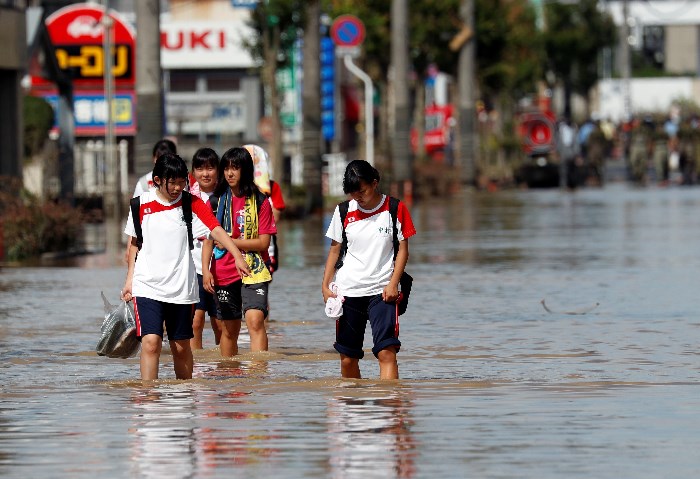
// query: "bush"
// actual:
[[31, 227]]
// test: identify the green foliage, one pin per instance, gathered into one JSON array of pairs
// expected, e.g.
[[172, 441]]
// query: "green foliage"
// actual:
[[38, 120], [510, 49], [575, 33], [433, 23], [275, 22], [31, 227]]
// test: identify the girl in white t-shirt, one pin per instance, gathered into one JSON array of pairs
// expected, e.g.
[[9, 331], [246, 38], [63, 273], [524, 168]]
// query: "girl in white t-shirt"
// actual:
[[369, 277], [162, 279], [205, 169]]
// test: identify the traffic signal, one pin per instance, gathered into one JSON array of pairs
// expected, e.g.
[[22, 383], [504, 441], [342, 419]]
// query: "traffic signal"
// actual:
[[327, 88]]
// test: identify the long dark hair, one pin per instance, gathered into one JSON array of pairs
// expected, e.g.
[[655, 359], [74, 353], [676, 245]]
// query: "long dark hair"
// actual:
[[238, 158], [169, 167], [356, 171]]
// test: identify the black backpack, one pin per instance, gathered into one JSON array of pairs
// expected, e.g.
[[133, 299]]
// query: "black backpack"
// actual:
[[406, 280], [135, 204]]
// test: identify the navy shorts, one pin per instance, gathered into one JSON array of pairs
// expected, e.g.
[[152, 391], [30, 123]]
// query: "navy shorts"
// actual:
[[207, 302], [350, 327], [237, 298], [151, 314]]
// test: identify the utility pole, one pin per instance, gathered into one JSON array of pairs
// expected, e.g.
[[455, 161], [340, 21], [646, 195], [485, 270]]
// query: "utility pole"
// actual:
[[149, 83], [465, 85], [111, 198], [400, 139], [311, 109], [625, 61]]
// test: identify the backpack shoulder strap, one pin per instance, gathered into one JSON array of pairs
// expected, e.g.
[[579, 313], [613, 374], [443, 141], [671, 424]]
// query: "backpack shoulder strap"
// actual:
[[393, 211], [343, 210], [187, 214], [214, 203], [135, 204], [260, 198]]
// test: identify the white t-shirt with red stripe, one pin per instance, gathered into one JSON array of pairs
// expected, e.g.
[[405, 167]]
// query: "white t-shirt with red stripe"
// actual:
[[164, 269], [369, 261], [199, 240]]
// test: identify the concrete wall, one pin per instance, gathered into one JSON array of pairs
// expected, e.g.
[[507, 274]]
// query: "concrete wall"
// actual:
[[681, 49], [646, 95]]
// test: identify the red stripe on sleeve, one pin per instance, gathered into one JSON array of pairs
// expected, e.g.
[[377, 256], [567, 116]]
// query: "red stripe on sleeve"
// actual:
[[204, 213]]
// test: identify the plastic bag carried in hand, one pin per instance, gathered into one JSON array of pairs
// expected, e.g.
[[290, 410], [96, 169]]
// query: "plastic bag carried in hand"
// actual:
[[118, 332]]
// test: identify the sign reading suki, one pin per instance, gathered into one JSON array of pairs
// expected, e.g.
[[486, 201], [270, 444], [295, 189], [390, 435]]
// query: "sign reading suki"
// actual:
[[77, 34]]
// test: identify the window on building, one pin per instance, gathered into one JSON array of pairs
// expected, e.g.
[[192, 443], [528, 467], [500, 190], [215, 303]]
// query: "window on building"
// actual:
[[222, 81], [183, 81]]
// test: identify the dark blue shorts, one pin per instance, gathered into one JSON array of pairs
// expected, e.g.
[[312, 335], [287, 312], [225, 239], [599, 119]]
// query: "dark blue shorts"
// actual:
[[207, 302], [350, 327], [151, 314]]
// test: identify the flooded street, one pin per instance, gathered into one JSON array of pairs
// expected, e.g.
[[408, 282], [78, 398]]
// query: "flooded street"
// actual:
[[600, 381]]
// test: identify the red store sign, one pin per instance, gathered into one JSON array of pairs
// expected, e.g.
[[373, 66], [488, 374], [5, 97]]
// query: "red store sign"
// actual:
[[77, 34]]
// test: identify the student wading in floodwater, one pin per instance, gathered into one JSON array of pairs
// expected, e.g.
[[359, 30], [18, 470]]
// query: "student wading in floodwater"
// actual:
[[246, 214], [162, 279], [370, 273]]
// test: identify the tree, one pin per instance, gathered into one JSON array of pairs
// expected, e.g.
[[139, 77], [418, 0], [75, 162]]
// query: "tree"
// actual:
[[311, 109], [433, 24], [509, 50], [574, 35], [276, 24], [38, 120]]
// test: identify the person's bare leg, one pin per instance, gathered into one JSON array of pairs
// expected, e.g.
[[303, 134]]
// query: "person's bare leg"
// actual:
[[349, 367], [230, 330], [151, 345], [198, 329], [182, 358], [255, 320], [216, 327], [388, 366]]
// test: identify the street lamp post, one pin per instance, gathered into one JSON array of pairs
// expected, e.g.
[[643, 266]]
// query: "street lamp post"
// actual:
[[111, 195]]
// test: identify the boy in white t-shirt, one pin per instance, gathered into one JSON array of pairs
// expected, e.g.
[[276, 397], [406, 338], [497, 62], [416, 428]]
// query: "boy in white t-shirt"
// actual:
[[369, 277], [162, 279]]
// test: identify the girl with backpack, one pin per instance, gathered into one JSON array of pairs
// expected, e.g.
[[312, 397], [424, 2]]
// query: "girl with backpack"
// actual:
[[367, 268], [161, 277], [246, 215]]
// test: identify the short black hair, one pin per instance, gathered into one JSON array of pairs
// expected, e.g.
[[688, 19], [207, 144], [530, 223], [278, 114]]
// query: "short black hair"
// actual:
[[205, 156], [170, 167], [164, 146], [356, 171]]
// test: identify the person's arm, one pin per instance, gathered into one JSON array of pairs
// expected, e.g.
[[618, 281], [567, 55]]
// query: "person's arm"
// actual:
[[220, 235], [391, 290], [126, 293], [207, 277], [127, 250], [261, 243], [329, 271]]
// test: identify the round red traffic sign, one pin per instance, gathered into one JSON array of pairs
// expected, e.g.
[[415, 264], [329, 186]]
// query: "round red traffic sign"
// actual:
[[348, 31]]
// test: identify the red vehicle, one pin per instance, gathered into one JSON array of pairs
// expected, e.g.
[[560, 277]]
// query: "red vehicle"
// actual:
[[537, 130], [438, 131]]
